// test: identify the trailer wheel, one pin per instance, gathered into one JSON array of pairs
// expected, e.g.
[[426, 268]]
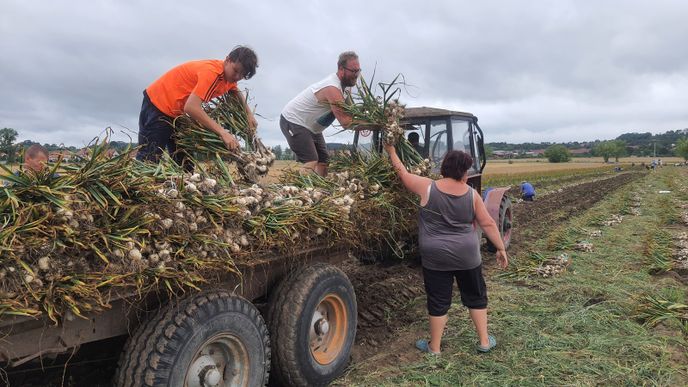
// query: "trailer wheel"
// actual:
[[504, 224], [312, 323], [209, 339]]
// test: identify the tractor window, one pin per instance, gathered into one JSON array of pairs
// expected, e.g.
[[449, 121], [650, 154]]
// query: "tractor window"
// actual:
[[365, 141], [438, 140], [461, 135], [415, 134]]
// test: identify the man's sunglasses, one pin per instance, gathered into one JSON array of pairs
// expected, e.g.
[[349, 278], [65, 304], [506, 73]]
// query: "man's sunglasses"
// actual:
[[356, 71]]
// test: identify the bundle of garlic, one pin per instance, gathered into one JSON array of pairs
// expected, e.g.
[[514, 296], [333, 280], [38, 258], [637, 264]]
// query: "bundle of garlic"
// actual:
[[553, 266], [393, 132], [68, 242], [385, 113], [253, 159]]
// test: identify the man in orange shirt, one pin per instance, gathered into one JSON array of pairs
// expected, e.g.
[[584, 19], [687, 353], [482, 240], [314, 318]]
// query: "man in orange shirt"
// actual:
[[182, 90]]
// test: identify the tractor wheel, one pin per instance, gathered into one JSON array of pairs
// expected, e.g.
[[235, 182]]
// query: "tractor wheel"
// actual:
[[504, 224], [209, 339], [312, 322]]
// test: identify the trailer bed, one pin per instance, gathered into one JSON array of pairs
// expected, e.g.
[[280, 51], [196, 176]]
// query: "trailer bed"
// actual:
[[25, 338]]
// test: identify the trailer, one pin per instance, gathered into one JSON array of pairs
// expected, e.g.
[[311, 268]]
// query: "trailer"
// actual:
[[217, 337]]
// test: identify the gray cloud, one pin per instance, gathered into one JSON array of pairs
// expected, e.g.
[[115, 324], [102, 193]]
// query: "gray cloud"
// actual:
[[532, 71]]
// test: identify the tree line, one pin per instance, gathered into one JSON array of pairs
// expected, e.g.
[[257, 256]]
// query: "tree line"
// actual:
[[612, 149], [636, 144]]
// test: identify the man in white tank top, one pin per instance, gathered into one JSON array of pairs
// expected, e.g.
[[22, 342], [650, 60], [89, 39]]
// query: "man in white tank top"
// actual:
[[307, 115]]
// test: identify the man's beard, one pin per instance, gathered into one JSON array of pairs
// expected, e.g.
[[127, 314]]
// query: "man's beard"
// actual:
[[349, 82]]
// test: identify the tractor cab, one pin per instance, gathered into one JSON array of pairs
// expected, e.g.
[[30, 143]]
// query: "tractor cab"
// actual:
[[439, 131]]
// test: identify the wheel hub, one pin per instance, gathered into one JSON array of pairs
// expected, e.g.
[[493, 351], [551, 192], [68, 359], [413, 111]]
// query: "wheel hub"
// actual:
[[221, 361], [204, 372], [328, 329], [322, 327], [210, 376]]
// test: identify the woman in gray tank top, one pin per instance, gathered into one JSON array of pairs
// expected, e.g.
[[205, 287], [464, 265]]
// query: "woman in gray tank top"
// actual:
[[450, 246]]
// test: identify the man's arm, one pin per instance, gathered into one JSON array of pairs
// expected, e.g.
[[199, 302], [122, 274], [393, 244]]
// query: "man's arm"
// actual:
[[334, 97], [194, 109]]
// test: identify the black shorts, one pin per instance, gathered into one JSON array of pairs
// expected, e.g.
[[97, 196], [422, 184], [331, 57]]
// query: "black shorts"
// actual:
[[156, 135], [440, 284], [306, 145]]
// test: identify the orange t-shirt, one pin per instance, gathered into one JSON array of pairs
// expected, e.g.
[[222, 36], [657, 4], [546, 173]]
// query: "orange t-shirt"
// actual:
[[204, 78]]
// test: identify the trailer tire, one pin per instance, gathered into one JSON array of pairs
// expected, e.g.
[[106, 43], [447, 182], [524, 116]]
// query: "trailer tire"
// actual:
[[185, 342], [504, 225], [312, 323]]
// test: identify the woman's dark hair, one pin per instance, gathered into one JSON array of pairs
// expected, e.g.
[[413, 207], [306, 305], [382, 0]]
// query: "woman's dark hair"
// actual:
[[247, 58], [455, 164]]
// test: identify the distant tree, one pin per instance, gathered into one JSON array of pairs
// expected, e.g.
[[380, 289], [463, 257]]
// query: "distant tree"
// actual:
[[557, 154], [619, 149], [612, 148], [7, 138], [277, 150], [682, 148], [604, 149], [288, 154], [489, 151], [26, 143]]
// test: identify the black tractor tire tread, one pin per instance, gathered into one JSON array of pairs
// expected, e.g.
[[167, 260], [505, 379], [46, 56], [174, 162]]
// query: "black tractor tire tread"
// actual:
[[276, 299], [146, 355], [286, 362], [129, 361], [502, 204]]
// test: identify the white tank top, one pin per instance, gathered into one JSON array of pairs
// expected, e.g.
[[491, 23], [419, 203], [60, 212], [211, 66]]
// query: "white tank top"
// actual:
[[305, 110]]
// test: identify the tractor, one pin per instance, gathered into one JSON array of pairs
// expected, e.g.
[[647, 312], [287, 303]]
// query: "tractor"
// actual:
[[439, 131]]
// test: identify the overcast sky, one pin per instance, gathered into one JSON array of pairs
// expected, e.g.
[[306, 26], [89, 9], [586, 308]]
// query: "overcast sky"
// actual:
[[530, 70]]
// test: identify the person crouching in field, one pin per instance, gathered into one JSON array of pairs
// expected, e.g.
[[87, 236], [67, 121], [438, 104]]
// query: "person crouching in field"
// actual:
[[450, 246], [527, 191]]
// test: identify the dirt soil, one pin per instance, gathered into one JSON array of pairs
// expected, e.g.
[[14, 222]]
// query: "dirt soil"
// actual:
[[533, 220], [385, 295]]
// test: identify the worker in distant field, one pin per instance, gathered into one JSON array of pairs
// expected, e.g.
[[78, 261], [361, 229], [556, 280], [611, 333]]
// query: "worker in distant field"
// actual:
[[183, 90], [449, 245], [527, 191], [35, 158], [414, 139], [307, 115]]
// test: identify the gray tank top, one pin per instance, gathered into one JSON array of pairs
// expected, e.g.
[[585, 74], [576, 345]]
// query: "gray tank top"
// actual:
[[447, 237]]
